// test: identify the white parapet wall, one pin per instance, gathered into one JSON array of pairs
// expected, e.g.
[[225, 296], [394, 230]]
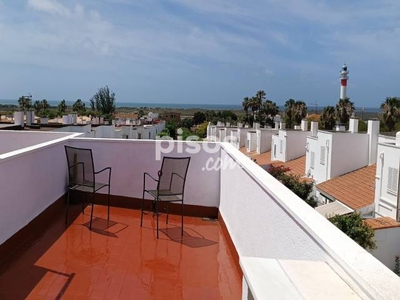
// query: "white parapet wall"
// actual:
[[138, 156], [31, 178], [266, 220]]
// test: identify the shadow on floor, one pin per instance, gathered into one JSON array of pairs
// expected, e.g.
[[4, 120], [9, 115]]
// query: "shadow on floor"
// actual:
[[106, 227], [192, 241]]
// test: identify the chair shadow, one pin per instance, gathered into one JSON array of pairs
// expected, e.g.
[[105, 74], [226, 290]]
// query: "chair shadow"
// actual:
[[192, 241], [106, 227]]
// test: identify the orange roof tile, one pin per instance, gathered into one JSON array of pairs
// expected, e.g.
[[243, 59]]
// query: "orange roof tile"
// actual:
[[355, 189], [296, 166], [382, 223]]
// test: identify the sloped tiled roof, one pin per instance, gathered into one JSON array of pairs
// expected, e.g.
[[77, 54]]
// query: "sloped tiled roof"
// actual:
[[382, 223], [296, 166], [355, 189]]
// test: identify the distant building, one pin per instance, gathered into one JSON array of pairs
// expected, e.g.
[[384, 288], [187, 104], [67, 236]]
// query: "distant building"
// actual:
[[172, 116]]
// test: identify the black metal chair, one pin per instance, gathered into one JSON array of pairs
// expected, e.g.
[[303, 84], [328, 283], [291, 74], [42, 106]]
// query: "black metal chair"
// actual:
[[82, 177], [170, 185]]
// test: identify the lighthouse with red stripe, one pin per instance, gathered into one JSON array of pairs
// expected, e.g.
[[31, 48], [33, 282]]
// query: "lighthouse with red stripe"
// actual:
[[343, 81]]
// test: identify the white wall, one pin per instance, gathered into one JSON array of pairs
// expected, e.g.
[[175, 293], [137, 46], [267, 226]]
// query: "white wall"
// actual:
[[349, 153], [388, 246], [385, 199], [138, 156], [264, 140], [11, 140], [265, 219], [251, 140], [295, 144], [344, 152], [29, 182]]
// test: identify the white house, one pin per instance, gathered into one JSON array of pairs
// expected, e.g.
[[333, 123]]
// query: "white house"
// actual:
[[330, 154], [289, 144], [387, 178]]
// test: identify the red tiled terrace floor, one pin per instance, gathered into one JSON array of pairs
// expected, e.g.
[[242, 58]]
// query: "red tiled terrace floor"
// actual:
[[123, 261]]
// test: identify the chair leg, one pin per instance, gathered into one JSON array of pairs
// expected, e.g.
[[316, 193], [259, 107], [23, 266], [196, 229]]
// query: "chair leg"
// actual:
[[167, 212], [66, 213], [108, 203], [182, 217], [91, 213], [141, 211], [157, 216], [82, 195]]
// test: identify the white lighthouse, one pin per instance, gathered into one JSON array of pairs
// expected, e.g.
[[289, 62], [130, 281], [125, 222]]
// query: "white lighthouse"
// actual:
[[343, 81]]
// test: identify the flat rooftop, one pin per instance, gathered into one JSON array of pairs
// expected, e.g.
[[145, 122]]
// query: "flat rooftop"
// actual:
[[121, 260]]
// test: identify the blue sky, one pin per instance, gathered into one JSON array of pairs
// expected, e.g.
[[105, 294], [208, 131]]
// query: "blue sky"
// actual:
[[200, 51]]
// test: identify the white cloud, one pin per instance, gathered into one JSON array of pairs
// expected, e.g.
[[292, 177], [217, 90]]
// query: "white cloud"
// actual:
[[49, 6]]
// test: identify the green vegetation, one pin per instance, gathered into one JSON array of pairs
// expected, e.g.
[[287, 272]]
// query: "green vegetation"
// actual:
[[296, 110], [103, 102], [391, 112], [262, 112], [294, 182], [344, 109], [62, 107], [79, 107], [354, 226]]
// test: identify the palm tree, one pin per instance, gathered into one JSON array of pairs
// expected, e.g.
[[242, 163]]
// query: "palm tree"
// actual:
[[246, 106], [289, 107], [271, 110], [300, 111], [391, 111], [257, 102], [344, 109], [327, 119]]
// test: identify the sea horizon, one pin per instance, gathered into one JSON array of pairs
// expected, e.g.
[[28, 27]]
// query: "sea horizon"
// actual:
[[206, 106]]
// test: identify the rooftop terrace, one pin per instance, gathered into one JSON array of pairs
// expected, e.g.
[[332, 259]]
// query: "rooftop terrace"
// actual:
[[258, 218], [120, 260]]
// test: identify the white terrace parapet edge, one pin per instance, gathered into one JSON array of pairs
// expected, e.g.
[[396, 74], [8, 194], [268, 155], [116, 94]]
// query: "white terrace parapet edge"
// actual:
[[265, 219]]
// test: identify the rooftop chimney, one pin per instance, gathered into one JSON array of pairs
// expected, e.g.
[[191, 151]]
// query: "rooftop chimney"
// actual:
[[304, 125], [353, 125], [398, 138], [282, 125], [314, 128], [373, 132]]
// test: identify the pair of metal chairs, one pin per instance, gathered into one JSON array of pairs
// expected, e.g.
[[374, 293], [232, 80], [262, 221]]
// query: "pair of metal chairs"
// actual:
[[169, 187]]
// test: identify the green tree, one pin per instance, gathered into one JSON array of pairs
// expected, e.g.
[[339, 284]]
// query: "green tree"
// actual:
[[257, 102], [79, 106], [25, 103], [270, 110], [186, 123], [344, 109], [45, 108], [37, 106], [103, 101], [62, 107], [354, 226], [327, 119], [246, 106], [295, 111], [198, 117], [391, 112], [300, 111], [201, 131]]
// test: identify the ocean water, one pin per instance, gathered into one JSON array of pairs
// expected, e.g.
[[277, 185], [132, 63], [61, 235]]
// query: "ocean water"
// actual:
[[183, 105]]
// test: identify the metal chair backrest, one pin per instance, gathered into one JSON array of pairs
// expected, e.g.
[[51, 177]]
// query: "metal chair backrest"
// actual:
[[80, 166], [172, 176]]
